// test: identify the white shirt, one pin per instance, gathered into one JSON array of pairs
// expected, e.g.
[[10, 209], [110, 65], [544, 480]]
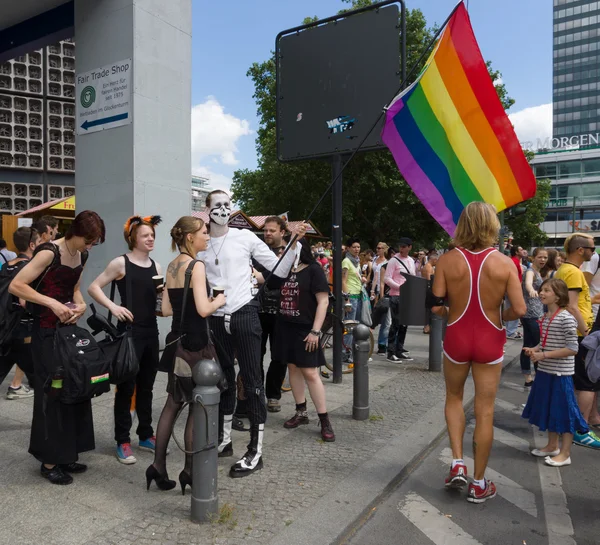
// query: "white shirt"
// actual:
[[591, 266], [233, 272], [8, 255]]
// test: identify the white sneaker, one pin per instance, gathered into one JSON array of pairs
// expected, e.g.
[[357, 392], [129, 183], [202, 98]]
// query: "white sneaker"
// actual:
[[19, 393]]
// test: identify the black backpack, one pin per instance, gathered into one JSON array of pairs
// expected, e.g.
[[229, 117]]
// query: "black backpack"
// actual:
[[86, 365], [11, 312]]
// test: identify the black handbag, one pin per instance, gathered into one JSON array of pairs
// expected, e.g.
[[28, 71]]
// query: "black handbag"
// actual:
[[380, 310], [119, 346]]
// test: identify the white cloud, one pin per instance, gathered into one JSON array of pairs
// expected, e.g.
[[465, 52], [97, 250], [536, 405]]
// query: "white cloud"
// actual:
[[533, 123], [215, 134], [498, 82]]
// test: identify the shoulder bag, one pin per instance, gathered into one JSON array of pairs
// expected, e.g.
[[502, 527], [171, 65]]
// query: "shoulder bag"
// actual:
[[175, 358]]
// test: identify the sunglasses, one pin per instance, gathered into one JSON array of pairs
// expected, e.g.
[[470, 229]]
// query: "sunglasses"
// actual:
[[588, 247], [93, 242]]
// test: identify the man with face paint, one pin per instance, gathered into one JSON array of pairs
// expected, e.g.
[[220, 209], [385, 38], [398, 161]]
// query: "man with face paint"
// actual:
[[236, 326]]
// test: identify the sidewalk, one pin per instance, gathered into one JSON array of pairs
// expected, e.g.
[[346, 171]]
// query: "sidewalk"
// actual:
[[308, 491]]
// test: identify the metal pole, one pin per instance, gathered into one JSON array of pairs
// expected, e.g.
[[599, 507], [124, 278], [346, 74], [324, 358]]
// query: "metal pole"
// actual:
[[435, 343], [436, 330], [502, 233], [336, 170], [361, 347], [574, 213], [205, 502]]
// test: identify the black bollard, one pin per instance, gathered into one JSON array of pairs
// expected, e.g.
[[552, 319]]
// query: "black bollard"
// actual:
[[361, 347], [435, 343], [205, 502]]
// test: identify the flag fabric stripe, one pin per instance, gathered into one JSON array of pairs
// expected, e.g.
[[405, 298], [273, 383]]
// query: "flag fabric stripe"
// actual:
[[424, 189], [436, 137], [477, 73], [459, 138], [450, 136], [474, 118]]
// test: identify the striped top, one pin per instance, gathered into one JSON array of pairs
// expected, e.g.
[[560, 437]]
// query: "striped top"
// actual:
[[561, 334]]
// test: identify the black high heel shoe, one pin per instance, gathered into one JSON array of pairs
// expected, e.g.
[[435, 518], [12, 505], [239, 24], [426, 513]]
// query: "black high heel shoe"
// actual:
[[184, 480], [162, 481]]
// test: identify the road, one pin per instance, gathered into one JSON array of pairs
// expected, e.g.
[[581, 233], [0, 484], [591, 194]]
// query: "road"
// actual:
[[535, 505]]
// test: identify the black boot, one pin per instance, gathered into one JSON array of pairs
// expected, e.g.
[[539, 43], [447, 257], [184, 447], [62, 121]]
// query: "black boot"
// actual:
[[252, 460], [225, 447]]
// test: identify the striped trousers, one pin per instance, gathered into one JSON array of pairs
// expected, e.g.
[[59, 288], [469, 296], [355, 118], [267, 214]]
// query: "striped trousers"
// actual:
[[244, 342]]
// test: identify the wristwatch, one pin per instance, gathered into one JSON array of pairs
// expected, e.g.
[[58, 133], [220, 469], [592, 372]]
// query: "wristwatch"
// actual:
[[315, 332]]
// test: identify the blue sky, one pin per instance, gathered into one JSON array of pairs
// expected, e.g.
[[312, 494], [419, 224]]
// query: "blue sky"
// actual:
[[229, 36]]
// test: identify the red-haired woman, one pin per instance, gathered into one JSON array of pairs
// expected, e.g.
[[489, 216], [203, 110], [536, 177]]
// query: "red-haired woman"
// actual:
[[137, 308], [59, 432]]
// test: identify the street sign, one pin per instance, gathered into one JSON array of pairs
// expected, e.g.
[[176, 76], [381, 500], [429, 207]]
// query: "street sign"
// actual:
[[103, 97]]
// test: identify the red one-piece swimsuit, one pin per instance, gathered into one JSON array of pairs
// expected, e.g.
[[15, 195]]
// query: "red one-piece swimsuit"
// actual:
[[473, 337]]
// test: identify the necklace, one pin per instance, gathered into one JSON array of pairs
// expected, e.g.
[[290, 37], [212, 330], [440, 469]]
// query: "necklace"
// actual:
[[67, 247], [217, 253]]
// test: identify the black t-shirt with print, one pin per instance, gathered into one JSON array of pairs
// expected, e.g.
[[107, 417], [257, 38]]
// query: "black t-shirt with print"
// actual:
[[298, 294]]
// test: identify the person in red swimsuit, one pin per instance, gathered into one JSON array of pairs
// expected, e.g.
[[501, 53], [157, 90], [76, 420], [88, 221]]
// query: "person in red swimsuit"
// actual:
[[474, 278]]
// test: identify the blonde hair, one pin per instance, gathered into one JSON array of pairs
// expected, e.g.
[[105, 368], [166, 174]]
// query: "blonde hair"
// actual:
[[384, 246], [186, 225], [477, 227], [576, 240]]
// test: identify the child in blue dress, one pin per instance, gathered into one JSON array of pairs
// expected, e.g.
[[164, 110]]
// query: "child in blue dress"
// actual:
[[551, 404]]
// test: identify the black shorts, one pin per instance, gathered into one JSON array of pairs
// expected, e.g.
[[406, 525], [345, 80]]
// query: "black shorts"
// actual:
[[580, 379]]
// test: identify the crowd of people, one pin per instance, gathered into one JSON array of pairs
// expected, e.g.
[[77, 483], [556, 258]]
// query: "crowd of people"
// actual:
[[209, 289], [231, 294]]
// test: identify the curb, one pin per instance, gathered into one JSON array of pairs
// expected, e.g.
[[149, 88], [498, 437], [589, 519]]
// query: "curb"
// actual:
[[336, 516]]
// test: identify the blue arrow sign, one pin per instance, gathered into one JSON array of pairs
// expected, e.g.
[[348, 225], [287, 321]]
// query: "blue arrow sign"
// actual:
[[103, 121]]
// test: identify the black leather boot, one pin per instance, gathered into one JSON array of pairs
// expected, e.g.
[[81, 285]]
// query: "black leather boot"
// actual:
[[225, 447], [252, 460]]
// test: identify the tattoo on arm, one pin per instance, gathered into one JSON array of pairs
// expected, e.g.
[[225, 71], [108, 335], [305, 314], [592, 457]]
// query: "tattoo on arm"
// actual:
[[173, 269]]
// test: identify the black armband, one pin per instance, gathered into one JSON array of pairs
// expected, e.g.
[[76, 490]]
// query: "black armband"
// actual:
[[432, 300]]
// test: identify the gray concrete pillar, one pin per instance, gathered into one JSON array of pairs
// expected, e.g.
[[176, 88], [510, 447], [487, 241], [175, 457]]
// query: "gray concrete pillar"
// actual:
[[144, 166]]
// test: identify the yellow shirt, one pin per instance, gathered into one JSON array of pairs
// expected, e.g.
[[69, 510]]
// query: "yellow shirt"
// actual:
[[353, 283], [574, 279]]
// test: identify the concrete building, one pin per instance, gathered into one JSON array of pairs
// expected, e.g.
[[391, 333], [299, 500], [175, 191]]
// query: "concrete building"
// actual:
[[132, 105], [575, 194], [200, 190], [576, 68]]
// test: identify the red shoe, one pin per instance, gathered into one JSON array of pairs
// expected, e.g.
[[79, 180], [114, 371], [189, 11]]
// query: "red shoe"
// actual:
[[457, 477], [477, 494]]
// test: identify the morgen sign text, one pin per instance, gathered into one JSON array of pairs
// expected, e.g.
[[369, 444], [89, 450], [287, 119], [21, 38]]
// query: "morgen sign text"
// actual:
[[565, 142]]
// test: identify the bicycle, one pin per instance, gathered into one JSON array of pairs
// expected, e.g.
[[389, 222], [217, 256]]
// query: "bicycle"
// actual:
[[347, 327]]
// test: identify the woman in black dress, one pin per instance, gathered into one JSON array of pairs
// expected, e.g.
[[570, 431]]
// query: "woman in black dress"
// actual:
[[59, 432], [303, 306], [189, 235]]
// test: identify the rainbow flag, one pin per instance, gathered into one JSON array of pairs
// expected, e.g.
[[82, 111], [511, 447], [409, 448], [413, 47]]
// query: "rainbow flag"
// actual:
[[450, 135]]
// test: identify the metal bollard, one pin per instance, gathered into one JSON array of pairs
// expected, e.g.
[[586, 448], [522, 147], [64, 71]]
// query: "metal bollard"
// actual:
[[205, 502], [435, 343], [361, 347]]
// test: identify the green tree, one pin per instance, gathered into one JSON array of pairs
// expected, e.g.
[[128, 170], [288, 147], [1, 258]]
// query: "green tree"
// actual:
[[378, 203]]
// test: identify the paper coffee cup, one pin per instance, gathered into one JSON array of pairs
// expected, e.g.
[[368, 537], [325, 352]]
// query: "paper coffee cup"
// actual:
[[218, 290], [158, 280]]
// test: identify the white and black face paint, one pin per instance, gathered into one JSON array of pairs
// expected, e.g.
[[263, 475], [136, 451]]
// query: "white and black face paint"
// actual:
[[220, 209]]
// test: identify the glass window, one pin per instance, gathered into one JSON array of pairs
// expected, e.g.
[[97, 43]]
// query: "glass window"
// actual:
[[569, 169], [547, 170], [591, 167], [564, 216], [550, 216], [590, 190]]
